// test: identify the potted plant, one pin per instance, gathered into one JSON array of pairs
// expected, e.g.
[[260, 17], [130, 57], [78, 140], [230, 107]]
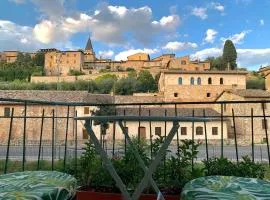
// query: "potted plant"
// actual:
[[171, 176]]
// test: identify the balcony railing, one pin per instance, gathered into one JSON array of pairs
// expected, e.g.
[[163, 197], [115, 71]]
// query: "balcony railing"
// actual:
[[39, 130]]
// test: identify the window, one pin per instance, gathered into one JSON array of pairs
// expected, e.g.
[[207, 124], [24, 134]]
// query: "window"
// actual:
[[74, 55], [199, 81], [67, 62], [214, 130], [264, 124], [209, 81], [183, 62], [175, 94], [85, 134], [142, 132], [208, 94], [191, 81], [199, 130], [221, 81], [197, 68], [6, 112], [180, 81], [183, 130], [158, 131], [86, 110], [263, 106]]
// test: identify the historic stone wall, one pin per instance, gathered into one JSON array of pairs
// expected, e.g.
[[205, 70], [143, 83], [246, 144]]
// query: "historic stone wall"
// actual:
[[33, 125], [243, 125]]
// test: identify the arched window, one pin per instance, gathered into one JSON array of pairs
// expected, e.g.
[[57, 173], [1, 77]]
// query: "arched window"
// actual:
[[221, 81], [199, 130], [209, 81], [191, 81], [180, 81], [199, 81]]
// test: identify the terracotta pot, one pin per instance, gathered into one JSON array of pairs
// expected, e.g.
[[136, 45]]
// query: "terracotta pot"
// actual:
[[87, 195]]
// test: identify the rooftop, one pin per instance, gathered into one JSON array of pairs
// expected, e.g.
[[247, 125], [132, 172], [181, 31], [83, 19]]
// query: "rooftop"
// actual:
[[205, 72], [160, 111], [56, 96], [249, 93]]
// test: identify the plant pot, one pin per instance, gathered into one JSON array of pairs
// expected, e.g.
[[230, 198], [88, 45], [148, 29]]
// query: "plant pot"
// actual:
[[86, 195]]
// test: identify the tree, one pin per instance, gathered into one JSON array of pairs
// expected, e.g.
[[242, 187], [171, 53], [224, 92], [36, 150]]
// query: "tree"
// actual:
[[229, 55], [103, 110], [146, 82], [39, 59], [125, 86], [216, 63]]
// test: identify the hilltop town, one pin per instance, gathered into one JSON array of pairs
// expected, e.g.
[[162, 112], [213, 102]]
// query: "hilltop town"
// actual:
[[139, 79]]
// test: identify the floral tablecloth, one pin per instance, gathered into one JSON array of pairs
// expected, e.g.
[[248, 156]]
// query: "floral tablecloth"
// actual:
[[37, 185], [226, 188]]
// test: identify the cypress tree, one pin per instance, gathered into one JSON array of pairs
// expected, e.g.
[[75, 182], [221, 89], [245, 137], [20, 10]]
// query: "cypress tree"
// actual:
[[229, 55]]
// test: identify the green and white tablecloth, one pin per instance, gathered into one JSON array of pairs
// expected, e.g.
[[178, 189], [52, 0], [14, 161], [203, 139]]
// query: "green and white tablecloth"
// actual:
[[226, 188], [37, 185]]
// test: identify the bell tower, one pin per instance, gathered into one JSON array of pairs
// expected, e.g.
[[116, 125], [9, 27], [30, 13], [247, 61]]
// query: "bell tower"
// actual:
[[89, 54]]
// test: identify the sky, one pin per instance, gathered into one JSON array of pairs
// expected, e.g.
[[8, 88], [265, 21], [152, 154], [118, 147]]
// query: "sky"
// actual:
[[119, 28]]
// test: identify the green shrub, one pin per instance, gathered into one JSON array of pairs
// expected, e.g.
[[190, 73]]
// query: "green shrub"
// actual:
[[73, 72], [225, 167]]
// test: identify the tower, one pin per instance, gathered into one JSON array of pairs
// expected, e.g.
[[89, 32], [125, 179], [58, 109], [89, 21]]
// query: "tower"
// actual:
[[89, 54]]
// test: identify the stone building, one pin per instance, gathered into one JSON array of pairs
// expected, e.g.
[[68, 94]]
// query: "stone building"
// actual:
[[199, 85], [265, 72], [9, 56], [154, 129], [61, 62], [243, 125], [138, 61], [34, 113], [33, 124]]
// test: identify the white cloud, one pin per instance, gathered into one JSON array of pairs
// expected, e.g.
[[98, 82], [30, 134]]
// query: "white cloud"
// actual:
[[251, 58], [218, 6], [124, 54], [171, 21], [17, 1], [200, 12], [108, 24], [106, 54], [210, 36], [237, 38], [179, 46], [16, 37], [261, 22]]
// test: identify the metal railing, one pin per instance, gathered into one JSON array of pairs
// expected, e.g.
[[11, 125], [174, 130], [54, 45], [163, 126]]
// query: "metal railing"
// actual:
[[55, 149]]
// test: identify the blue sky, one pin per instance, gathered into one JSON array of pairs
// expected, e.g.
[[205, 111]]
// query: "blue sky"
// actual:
[[119, 28]]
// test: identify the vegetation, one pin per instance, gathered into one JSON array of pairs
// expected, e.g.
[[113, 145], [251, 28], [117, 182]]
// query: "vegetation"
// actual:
[[229, 57], [256, 81], [104, 84], [73, 72], [245, 168], [229, 54], [171, 175], [23, 68], [216, 63], [145, 82]]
